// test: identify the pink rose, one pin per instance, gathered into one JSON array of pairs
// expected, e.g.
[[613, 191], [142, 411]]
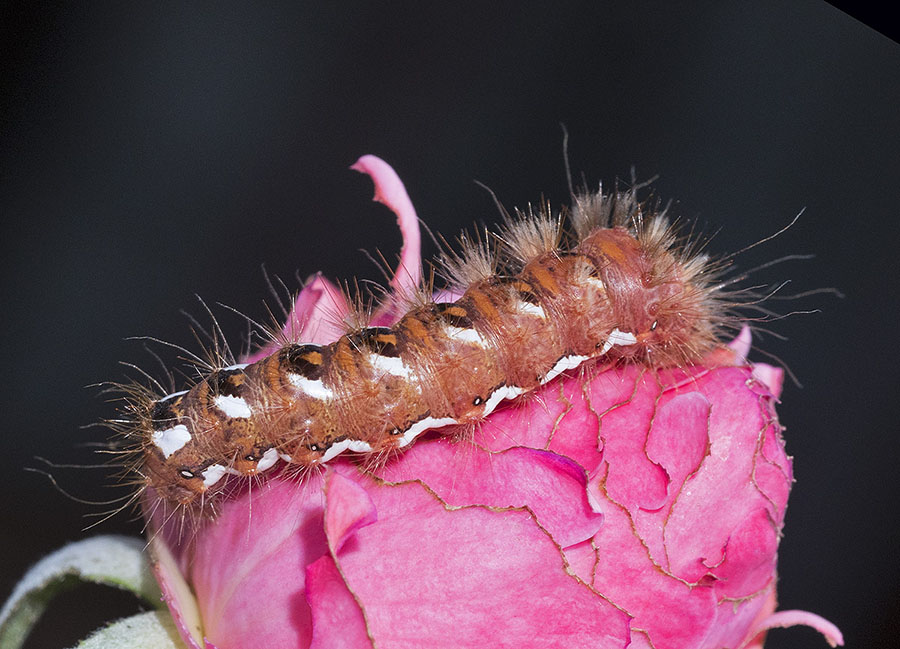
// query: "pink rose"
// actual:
[[617, 508]]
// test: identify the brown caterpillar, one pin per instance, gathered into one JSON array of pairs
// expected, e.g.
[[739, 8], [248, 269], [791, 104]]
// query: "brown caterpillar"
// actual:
[[621, 287]]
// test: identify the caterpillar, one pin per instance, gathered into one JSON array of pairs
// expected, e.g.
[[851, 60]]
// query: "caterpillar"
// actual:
[[538, 299]]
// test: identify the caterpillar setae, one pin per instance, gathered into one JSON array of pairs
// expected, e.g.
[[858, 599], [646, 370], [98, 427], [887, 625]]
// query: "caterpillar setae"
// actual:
[[617, 285]]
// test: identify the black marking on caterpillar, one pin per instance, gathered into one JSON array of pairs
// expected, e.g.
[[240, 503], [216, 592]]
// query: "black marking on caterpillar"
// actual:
[[621, 287]]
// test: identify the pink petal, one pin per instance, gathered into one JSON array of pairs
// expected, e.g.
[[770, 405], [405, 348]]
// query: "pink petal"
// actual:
[[774, 474], [316, 317], [734, 618], [551, 486], [555, 417], [784, 619], [529, 421], [338, 622], [724, 482], [390, 191], [576, 431], [633, 479], [252, 562], [749, 561], [319, 310], [672, 613], [753, 639], [424, 573], [678, 442], [445, 295], [582, 559], [771, 377], [639, 640], [349, 508], [741, 344]]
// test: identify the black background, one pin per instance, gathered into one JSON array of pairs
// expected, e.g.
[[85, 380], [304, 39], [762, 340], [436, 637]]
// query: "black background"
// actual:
[[153, 153]]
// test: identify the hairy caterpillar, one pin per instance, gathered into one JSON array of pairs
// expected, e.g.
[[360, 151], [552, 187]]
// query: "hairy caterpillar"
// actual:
[[619, 287]]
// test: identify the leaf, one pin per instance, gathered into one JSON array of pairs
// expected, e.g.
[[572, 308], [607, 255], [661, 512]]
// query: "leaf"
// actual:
[[110, 560], [150, 630]]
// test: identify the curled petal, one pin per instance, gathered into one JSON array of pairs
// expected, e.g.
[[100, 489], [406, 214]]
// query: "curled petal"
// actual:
[[769, 376], [741, 344], [319, 310], [784, 619], [390, 191]]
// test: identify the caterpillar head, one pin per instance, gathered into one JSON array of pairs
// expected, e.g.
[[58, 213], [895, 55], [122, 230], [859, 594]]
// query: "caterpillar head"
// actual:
[[180, 469], [184, 479], [658, 295]]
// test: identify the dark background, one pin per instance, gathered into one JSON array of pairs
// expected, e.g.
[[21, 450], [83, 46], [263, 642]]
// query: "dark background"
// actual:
[[153, 153]]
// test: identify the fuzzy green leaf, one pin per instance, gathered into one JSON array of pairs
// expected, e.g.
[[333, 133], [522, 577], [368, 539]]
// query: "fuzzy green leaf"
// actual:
[[150, 630], [110, 560]]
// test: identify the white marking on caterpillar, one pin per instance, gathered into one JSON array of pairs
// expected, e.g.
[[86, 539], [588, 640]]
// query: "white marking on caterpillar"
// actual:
[[563, 364], [236, 366], [421, 426], [355, 445], [212, 474], [465, 335], [501, 394], [172, 439], [390, 365], [268, 460], [314, 388], [532, 309], [623, 338], [596, 282], [234, 407]]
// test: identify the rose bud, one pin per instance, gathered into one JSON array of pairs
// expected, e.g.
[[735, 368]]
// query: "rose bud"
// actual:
[[616, 505], [609, 508]]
